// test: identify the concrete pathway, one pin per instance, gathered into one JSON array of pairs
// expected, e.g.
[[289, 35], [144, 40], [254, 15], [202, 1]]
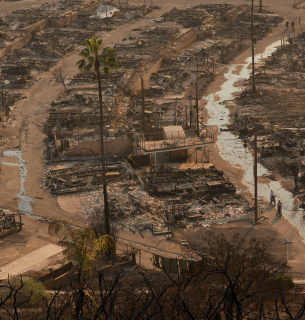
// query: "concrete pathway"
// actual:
[[36, 260]]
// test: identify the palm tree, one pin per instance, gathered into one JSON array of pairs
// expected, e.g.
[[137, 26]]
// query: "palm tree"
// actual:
[[81, 245], [94, 57], [252, 47], [86, 250]]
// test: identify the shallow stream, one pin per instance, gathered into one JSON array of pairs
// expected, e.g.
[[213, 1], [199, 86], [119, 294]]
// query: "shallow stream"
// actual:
[[25, 205], [231, 147]]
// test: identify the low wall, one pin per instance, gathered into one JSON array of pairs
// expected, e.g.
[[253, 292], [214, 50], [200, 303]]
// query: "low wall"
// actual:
[[187, 43], [56, 273], [137, 87], [18, 43], [63, 21], [38, 26], [2, 53], [111, 146]]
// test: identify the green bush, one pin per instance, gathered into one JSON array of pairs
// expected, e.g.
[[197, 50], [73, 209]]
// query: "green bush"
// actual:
[[27, 292]]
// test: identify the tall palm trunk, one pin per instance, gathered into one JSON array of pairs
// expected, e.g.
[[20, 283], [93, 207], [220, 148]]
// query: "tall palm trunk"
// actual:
[[106, 207], [252, 45]]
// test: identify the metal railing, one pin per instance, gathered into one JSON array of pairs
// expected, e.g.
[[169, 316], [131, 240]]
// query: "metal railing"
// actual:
[[175, 139]]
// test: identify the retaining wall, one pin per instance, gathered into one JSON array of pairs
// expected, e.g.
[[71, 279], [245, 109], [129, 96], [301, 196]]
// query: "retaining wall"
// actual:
[[38, 26], [137, 87], [187, 43], [111, 146], [63, 21], [2, 53], [18, 43]]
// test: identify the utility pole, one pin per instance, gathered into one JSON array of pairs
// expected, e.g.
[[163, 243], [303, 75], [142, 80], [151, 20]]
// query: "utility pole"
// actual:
[[167, 218], [197, 111], [2, 97], [260, 6], [300, 24], [252, 44], [107, 23], [186, 117], [213, 64], [142, 113], [191, 115], [255, 178]]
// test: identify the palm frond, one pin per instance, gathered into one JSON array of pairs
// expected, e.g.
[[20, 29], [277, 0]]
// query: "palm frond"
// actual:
[[81, 63], [106, 70], [85, 53], [93, 52], [81, 244], [88, 66]]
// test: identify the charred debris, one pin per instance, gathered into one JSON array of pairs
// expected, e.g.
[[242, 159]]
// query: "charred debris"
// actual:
[[276, 114], [158, 151]]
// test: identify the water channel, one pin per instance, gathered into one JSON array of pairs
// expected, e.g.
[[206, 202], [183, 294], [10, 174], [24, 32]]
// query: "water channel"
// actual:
[[25, 205], [231, 147]]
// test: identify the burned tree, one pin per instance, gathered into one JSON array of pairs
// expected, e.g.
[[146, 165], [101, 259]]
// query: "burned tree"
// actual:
[[293, 169], [60, 77], [233, 275]]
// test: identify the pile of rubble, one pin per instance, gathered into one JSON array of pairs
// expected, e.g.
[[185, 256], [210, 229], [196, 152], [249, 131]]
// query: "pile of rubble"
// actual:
[[235, 21], [276, 113], [171, 60], [187, 197], [82, 178], [187, 18], [74, 119], [48, 33], [137, 210], [187, 184], [16, 24]]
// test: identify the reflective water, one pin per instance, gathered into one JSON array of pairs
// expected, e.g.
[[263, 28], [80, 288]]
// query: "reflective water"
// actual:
[[25, 205], [231, 147]]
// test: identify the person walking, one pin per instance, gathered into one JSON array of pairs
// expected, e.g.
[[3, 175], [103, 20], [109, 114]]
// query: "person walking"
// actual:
[[272, 197], [295, 205], [279, 208]]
